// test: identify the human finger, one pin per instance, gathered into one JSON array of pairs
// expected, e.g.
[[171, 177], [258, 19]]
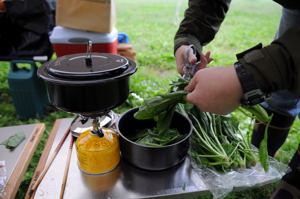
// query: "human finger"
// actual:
[[192, 57], [191, 97], [191, 85], [179, 54], [205, 60]]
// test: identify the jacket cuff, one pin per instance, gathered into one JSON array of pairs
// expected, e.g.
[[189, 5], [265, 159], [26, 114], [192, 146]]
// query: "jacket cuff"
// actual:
[[268, 75], [276, 66]]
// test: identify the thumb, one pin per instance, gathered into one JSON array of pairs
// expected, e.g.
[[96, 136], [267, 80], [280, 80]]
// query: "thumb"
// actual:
[[192, 97], [189, 97], [191, 85], [192, 58]]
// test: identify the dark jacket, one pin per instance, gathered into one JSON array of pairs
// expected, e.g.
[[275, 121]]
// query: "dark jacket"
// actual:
[[277, 66], [24, 30], [274, 67]]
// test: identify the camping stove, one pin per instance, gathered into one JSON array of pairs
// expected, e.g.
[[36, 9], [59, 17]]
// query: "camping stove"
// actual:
[[82, 123], [90, 85]]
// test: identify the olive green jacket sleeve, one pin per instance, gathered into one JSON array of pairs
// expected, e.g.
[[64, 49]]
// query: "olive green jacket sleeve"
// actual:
[[201, 22], [277, 66]]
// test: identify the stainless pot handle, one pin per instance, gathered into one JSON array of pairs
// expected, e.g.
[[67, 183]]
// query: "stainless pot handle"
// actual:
[[88, 59]]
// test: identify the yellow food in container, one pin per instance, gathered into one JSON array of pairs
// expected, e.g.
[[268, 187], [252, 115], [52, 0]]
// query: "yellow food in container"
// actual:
[[96, 154]]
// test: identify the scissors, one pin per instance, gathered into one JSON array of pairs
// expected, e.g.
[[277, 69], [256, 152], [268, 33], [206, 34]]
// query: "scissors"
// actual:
[[189, 69]]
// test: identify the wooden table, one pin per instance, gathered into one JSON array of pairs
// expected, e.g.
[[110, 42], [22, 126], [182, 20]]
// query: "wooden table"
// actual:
[[17, 160]]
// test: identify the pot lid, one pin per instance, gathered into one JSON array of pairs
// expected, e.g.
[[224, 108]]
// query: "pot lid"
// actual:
[[83, 66]]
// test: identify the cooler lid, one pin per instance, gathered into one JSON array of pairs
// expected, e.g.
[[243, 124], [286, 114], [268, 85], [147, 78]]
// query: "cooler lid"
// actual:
[[88, 66], [63, 35]]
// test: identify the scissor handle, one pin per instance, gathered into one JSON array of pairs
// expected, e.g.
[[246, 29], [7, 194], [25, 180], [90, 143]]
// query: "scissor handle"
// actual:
[[188, 52], [189, 68]]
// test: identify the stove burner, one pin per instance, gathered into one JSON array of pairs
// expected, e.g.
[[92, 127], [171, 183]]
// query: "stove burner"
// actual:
[[81, 124]]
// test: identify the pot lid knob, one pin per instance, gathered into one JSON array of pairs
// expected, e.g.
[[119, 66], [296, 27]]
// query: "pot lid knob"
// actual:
[[88, 59]]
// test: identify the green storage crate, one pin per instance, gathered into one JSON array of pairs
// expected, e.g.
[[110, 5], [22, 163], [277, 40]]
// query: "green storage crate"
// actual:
[[27, 90]]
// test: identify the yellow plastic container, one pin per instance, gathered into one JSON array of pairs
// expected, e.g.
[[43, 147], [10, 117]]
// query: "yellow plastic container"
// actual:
[[98, 155]]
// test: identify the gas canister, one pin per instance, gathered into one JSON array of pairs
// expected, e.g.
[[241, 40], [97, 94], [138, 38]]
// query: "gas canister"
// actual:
[[98, 153]]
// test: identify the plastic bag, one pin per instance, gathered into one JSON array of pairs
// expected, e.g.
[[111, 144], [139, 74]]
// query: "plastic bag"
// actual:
[[3, 177], [220, 184]]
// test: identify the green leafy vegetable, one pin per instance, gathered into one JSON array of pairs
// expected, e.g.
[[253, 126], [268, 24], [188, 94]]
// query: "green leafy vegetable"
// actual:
[[178, 84], [217, 141], [259, 112], [263, 150], [152, 137], [164, 120], [183, 186], [161, 108], [13, 141], [156, 105]]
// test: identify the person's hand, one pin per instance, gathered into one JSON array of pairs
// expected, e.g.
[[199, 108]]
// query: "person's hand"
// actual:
[[180, 53], [215, 89]]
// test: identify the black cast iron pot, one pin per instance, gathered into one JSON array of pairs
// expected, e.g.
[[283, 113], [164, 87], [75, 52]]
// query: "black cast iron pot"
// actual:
[[89, 85], [152, 157]]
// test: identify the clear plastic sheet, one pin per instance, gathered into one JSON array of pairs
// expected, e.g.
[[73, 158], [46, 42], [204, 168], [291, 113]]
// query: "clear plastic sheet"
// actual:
[[3, 177], [220, 184]]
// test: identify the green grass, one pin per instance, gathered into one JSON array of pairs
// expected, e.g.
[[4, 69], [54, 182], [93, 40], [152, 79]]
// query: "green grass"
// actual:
[[151, 26]]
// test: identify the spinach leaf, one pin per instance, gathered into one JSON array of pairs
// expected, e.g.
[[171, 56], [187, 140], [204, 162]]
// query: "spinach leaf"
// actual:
[[13, 141], [154, 106], [263, 150]]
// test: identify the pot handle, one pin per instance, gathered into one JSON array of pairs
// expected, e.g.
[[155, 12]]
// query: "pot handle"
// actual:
[[88, 59]]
